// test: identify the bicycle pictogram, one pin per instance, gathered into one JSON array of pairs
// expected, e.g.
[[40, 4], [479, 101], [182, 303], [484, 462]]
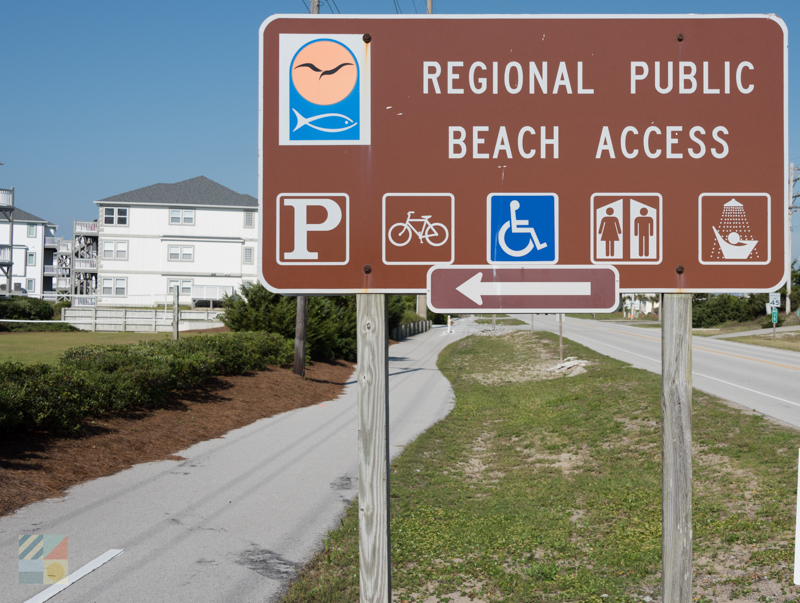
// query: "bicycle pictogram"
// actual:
[[518, 226], [434, 233]]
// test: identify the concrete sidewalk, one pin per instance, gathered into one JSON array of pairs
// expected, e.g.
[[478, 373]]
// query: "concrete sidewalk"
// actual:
[[243, 513]]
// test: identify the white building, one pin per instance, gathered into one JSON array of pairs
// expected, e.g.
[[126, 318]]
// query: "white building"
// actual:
[[196, 235], [33, 256]]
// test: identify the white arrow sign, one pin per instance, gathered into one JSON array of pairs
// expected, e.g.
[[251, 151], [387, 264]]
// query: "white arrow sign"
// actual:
[[475, 288]]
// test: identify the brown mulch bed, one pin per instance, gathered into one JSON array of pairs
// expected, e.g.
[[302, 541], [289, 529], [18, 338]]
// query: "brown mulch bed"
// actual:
[[37, 466]]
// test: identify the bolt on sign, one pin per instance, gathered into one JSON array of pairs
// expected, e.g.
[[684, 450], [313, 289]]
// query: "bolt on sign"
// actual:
[[656, 145]]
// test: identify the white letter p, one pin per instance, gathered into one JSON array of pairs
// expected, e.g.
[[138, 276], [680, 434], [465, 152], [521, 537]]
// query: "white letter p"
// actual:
[[302, 227]]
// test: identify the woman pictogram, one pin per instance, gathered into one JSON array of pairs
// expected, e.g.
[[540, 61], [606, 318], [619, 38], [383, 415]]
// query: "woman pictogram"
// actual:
[[610, 231]]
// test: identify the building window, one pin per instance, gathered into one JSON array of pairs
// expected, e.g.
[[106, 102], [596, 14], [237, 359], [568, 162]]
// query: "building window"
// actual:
[[31, 230], [115, 250], [30, 285], [247, 258], [115, 216], [115, 286], [179, 253], [185, 286], [249, 219], [178, 216], [31, 259]]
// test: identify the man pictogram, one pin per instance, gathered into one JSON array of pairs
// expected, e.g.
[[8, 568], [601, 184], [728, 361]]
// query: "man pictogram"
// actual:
[[643, 228]]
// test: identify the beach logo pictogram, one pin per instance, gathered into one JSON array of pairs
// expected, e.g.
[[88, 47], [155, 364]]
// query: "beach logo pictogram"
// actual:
[[324, 89], [734, 228]]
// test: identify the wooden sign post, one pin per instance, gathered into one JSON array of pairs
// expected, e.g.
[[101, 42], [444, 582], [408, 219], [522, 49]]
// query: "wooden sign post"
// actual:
[[373, 449], [676, 448]]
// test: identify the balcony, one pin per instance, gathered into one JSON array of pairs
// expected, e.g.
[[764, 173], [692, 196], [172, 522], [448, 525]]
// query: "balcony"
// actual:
[[5, 255], [51, 242], [210, 292], [50, 270], [6, 198], [89, 228], [85, 265], [61, 283], [65, 246]]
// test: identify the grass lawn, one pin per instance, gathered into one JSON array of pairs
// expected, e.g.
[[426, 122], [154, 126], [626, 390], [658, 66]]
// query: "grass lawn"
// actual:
[[540, 487], [788, 340], [31, 348], [501, 321], [613, 316]]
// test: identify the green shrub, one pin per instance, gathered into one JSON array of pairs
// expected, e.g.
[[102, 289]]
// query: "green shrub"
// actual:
[[25, 308], [100, 378], [30, 327]]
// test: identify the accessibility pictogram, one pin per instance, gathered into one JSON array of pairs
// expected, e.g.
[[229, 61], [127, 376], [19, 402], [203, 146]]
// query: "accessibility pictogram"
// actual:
[[626, 228], [734, 228], [522, 227]]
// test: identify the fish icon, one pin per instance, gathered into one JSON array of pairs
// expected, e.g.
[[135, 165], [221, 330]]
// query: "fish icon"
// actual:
[[333, 118]]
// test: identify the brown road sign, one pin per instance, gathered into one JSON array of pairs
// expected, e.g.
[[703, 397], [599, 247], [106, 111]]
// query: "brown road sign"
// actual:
[[523, 289], [654, 144]]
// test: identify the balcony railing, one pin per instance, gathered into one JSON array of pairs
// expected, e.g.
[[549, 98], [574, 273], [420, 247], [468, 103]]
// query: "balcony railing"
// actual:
[[50, 270], [65, 246], [84, 301], [6, 197], [210, 292], [5, 254], [51, 242], [62, 283], [84, 264], [85, 227]]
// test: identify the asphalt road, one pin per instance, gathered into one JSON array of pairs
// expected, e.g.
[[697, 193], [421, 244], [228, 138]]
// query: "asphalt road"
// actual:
[[238, 518], [764, 379]]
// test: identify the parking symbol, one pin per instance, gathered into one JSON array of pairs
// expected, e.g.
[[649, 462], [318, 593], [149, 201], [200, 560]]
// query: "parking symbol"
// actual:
[[522, 227]]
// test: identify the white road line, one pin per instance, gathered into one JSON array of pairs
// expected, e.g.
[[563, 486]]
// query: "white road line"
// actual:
[[75, 576], [747, 389], [693, 372]]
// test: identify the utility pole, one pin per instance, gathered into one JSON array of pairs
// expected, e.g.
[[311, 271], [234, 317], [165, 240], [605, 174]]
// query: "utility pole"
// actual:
[[794, 175], [301, 320]]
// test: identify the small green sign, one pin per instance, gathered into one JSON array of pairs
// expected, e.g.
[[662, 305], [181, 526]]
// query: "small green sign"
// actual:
[[774, 315]]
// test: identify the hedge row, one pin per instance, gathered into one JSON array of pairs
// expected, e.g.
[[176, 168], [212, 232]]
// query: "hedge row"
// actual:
[[99, 378]]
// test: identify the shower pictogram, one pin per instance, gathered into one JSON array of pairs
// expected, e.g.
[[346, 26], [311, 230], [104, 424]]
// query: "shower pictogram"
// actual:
[[734, 228]]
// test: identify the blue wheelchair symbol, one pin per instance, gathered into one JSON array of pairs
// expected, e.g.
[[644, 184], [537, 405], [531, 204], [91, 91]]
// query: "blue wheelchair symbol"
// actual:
[[523, 228]]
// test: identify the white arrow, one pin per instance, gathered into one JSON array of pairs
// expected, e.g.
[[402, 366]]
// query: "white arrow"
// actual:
[[474, 288]]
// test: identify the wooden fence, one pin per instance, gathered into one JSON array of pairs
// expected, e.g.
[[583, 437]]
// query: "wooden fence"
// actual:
[[107, 319]]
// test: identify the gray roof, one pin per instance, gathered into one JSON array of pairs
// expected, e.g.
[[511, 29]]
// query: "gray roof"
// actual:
[[195, 191], [20, 215]]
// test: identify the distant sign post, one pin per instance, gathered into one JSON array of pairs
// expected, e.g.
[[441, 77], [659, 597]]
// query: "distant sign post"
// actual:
[[381, 158]]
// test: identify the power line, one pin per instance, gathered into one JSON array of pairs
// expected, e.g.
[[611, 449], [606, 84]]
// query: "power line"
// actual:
[[336, 7]]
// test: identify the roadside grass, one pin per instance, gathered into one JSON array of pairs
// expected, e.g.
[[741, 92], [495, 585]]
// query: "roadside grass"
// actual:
[[786, 340], [730, 327], [46, 348], [500, 321], [613, 316], [490, 315], [543, 487]]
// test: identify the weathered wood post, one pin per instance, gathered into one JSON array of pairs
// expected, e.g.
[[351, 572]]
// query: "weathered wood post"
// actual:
[[175, 313], [676, 448], [561, 337], [374, 551], [300, 336]]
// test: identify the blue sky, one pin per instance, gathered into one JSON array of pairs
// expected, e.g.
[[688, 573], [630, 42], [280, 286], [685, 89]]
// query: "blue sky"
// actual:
[[100, 98]]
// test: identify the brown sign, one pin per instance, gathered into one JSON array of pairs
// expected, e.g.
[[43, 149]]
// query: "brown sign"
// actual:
[[656, 145], [523, 289]]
